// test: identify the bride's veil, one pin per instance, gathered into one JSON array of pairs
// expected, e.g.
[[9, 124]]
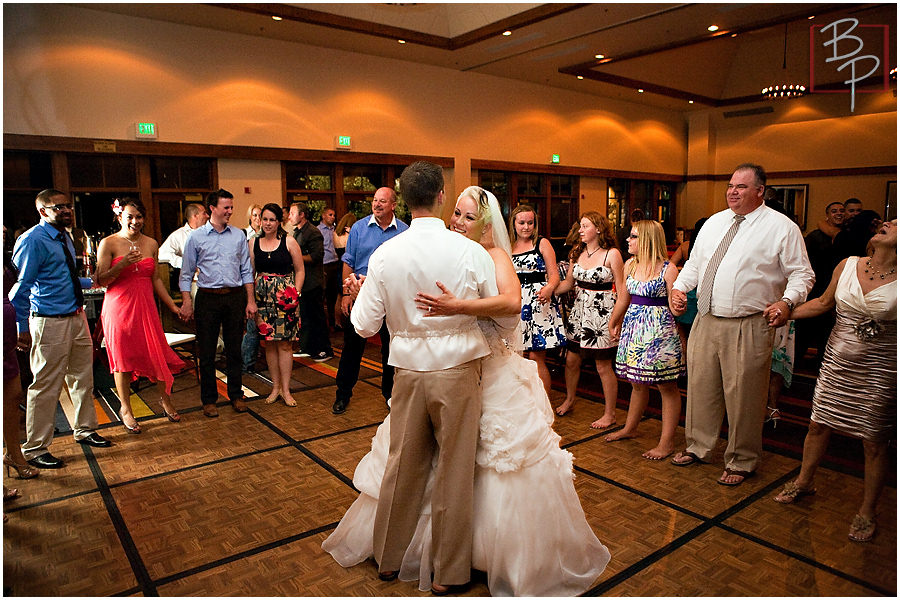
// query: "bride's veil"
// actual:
[[498, 226]]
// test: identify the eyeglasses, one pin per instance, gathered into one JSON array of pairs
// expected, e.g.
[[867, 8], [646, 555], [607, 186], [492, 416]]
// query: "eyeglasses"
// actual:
[[632, 237], [59, 207]]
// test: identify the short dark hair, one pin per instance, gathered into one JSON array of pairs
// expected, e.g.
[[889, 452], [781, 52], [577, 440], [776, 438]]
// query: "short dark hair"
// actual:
[[302, 208], [830, 204], [213, 198], [420, 184], [758, 172], [44, 196], [852, 201], [637, 215], [192, 210]]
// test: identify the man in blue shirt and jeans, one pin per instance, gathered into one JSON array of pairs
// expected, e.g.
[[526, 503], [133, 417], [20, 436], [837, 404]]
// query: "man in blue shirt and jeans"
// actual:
[[366, 235], [49, 291], [225, 296]]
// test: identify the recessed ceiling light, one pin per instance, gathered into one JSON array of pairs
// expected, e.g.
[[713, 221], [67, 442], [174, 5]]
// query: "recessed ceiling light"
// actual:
[[811, 17], [713, 28], [276, 18], [733, 35], [581, 77], [507, 32], [690, 101], [599, 56], [640, 90], [401, 41]]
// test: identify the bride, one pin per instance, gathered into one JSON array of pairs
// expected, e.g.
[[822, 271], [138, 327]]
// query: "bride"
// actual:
[[531, 536]]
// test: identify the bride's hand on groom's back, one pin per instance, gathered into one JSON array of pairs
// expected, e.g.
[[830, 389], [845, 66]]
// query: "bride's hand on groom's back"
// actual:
[[438, 306]]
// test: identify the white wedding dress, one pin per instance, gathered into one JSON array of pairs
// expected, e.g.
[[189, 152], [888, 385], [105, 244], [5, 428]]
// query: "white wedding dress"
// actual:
[[530, 533]]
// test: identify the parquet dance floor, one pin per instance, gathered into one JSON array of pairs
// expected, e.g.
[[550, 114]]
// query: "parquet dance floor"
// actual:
[[239, 505]]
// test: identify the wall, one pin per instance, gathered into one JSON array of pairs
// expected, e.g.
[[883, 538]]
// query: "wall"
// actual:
[[73, 71]]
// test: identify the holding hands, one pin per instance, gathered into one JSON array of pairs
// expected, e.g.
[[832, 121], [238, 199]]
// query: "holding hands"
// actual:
[[777, 314], [679, 302]]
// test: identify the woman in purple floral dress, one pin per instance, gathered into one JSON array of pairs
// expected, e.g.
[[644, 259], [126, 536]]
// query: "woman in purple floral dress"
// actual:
[[649, 346]]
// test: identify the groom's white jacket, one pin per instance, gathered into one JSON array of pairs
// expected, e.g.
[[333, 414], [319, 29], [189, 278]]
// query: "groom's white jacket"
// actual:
[[410, 263]]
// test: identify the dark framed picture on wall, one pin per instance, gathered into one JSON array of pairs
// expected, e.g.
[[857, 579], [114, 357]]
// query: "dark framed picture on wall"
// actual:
[[794, 199], [890, 201]]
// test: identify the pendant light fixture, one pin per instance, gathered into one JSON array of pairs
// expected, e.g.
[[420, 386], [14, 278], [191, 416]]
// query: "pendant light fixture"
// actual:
[[784, 90]]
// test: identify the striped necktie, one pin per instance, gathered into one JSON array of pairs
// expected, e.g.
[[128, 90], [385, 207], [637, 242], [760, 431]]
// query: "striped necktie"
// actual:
[[704, 295]]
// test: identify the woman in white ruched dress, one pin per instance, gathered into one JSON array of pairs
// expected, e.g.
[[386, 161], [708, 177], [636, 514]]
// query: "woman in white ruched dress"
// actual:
[[531, 536]]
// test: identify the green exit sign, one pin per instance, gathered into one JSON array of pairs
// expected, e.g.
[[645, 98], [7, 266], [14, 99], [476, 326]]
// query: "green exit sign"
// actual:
[[554, 158], [145, 130], [343, 142]]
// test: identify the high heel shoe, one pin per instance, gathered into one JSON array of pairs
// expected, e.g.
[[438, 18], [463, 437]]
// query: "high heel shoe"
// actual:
[[173, 416], [137, 426], [774, 416], [10, 493], [25, 471]]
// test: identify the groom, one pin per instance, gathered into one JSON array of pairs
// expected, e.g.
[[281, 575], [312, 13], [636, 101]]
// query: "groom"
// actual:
[[436, 400]]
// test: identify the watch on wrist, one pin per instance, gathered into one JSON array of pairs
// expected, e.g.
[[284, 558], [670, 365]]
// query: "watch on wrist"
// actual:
[[788, 302]]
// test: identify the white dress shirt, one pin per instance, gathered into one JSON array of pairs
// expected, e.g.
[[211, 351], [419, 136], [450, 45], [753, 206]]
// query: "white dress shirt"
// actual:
[[766, 262], [412, 262], [172, 250]]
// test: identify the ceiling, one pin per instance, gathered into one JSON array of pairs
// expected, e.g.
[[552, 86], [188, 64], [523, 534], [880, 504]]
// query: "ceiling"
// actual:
[[663, 49]]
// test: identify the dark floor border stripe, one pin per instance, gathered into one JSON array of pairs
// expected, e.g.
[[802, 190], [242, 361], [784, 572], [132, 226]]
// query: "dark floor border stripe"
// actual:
[[217, 461], [643, 494], [145, 582], [244, 554], [299, 446], [50, 501], [810, 561]]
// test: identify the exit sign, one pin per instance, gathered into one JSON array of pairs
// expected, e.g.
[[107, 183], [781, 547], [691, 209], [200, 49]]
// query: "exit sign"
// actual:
[[554, 158], [343, 142], [145, 130]]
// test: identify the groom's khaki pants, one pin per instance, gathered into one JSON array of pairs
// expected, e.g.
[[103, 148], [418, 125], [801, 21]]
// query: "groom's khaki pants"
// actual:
[[432, 411]]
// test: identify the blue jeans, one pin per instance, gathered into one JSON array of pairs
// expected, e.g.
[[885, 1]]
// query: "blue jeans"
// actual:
[[250, 346]]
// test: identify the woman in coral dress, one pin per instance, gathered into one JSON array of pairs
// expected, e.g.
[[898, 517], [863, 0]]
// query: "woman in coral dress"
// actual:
[[135, 343], [530, 533]]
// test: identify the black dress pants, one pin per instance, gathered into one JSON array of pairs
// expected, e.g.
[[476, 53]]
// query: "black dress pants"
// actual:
[[314, 337], [211, 312], [351, 358]]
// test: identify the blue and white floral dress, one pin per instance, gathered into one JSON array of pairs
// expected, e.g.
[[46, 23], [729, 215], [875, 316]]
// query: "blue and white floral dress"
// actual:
[[649, 346], [542, 324]]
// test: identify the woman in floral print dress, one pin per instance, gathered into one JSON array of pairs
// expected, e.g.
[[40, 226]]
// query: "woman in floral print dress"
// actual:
[[278, 264], [596, 266], [542, 325], [649, 348]]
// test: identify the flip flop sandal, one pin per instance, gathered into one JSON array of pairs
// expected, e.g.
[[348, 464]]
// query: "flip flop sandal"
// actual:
[[792, 492], [745, 475], [693, 459]]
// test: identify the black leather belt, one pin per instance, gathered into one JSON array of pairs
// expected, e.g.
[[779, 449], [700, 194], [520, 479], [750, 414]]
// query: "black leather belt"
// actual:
[[221, 291], [43, 316], [532, 277]]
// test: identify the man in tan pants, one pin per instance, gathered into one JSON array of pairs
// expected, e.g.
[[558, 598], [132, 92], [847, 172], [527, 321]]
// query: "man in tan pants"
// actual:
[[436, 399], [750, 268]]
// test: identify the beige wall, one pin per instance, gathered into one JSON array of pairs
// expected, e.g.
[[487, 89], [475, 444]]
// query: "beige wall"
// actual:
[[72, 71]]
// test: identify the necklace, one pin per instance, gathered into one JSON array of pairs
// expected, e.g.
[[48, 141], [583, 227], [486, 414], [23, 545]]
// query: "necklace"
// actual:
[[881, 274], [589, 253]]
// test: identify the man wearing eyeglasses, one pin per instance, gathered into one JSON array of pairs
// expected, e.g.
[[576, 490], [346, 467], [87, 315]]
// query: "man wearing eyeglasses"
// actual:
[[52, 325], [750, 268]]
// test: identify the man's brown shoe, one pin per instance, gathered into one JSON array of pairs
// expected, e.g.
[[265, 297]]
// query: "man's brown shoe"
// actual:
[[210, 410], [239, 406]]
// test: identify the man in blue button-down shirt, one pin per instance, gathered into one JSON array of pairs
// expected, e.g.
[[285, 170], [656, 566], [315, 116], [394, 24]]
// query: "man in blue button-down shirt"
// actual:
[[224, 297], [366, 234], [51, 323]]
